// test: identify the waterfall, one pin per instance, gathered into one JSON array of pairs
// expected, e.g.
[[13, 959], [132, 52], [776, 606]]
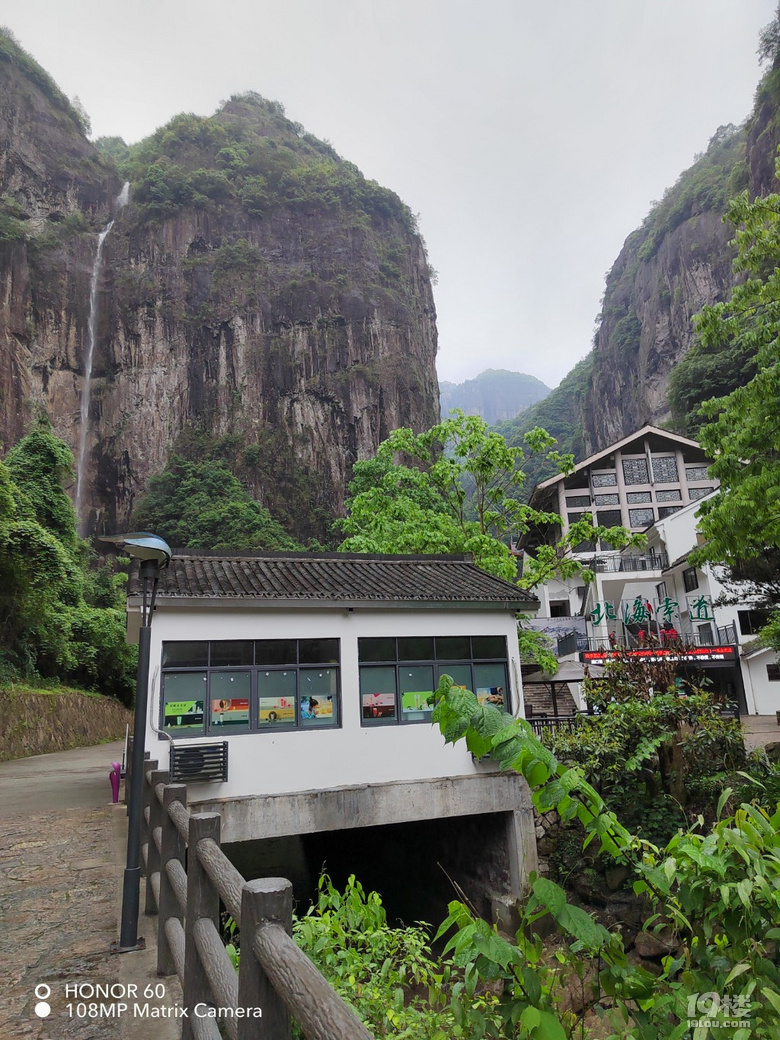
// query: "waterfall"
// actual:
[[94, 300]]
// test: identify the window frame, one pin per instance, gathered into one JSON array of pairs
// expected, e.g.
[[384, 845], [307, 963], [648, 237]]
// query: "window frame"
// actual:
[[210, 729], [439, 666]]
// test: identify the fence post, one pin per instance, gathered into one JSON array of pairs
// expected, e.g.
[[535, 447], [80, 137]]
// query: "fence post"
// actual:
[[202, 901], [146, 804], [263, 900], [172, 848], [159, 776]]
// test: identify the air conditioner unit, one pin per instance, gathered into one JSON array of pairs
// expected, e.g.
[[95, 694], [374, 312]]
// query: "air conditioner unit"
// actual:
[[199, 763]]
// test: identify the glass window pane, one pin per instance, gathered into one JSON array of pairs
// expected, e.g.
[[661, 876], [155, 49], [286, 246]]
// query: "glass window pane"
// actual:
[[239, 651], [318, 689], [609, 517], [276, 651], [185, 655], [377, 693], [607, 500], [490, 682], [577, 501], [276, 698], [376, 649], [418, 648], [416, 683], [604, 479], [696, 473], [489, 646], [184, 700], [668, 496], [318, 651], [638, 496], [635, 471], [696, 493], [229, 695], [459, 673], [453, 648]]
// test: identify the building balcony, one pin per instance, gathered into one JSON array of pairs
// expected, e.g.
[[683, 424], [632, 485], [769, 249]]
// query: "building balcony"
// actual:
[[633, 563], [725, 635]]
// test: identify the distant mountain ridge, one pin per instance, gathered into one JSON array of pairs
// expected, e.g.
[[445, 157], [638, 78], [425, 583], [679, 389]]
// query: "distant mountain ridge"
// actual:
[[495, 394]]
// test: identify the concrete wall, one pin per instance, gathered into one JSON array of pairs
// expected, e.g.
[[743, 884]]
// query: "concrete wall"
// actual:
[[273, 816]]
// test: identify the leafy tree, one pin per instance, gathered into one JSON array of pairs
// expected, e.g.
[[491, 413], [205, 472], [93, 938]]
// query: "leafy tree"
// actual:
[[60, 615], [458, 490], [202, 505], [742, 521]]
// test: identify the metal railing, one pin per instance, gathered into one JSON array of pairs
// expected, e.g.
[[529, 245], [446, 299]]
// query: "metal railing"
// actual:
[[720, 635], [654, 561], [541, 723], [274, 976]]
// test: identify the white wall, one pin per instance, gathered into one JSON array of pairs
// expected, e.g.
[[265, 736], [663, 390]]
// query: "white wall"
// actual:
[[312, 759]]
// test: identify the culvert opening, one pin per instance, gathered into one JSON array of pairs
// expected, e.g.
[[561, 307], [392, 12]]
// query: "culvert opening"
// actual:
[[415, 866]]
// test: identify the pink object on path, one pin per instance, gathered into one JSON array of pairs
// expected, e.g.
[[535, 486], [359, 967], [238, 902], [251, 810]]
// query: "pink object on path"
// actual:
[[114, 776]]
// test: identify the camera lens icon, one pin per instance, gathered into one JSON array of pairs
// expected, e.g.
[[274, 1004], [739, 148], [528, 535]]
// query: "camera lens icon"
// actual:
[[42, 992]]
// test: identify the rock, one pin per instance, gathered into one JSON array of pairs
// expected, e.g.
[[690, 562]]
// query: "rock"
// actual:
[[615, 876], [654, 947], [304, 331], [591, 889]]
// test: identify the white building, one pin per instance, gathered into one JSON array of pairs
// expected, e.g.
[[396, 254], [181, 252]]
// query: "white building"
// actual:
[[307, 678], [653, 601]]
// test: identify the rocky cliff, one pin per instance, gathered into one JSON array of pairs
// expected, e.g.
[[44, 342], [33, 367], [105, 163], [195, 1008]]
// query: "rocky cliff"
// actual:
[[258, 298]]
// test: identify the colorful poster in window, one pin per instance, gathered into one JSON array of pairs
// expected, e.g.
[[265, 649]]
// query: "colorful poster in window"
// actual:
[[491, 695], [378, 705], [275, 710], [234, 712], [316, 708], [183, 713]]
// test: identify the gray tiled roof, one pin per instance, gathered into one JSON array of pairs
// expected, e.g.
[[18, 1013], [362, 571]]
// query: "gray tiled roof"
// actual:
[[334, 577]]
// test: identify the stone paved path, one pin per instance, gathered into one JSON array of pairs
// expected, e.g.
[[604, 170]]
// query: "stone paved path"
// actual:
[[60, 885]]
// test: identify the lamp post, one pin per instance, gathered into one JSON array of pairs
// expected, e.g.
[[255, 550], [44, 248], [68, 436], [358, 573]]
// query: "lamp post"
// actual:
[[154, 554]]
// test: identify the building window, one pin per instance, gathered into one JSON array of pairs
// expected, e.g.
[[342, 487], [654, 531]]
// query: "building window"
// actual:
[[398, 676], [660, 591], [607, 500], [576, 501], [634, 497], [603, 479], [696, 473], [609, 517], [690, 579], [242, 686], [752, 621], [773, 672], [560, 608], [668, 496], [665, 469], [667, 511], [635, 471], [696, 493], [641, 517]]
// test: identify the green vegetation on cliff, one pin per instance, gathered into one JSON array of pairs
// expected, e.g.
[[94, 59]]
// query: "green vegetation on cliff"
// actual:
[[252, 153], [60, 616], [201, 505]]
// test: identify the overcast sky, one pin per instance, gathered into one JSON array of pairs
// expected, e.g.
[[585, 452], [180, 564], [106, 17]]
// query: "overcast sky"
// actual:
[[529, 135]]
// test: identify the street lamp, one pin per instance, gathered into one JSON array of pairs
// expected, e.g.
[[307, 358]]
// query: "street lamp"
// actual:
[[154, 554]]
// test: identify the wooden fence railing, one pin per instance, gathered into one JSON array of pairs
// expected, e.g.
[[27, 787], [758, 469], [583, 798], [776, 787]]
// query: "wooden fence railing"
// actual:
[[274, 974]]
